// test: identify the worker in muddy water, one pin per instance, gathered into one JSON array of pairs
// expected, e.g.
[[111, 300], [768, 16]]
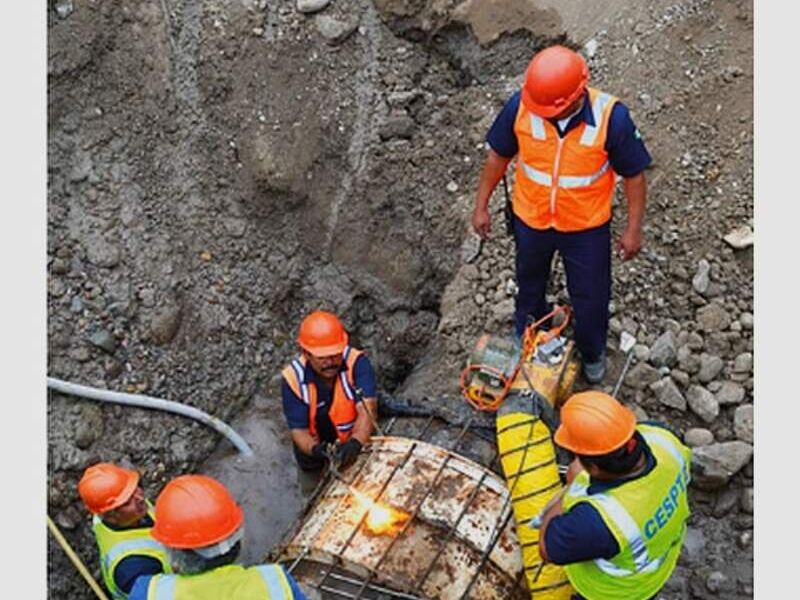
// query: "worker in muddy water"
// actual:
[[327, 391], [122, 521], [202, 528], [619, 525], [571, 141]]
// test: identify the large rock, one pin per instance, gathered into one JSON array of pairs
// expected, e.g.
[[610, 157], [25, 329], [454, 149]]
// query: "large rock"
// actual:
[[641, 376], [710, 367], [702, 403], [664, 352], [694, 545], [743, 363], [165, 324], [335, 30], [730, 393], [311, 6], [668, 394], [747, 500], [104, 340], [101, 252], [697, 436], [688, 362], [743, 422], [740, 238], [713, 317], [714, 465], [701, 278]]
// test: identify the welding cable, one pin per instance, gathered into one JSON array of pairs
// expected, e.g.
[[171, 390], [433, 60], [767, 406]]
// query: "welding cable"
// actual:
[[73, 389], [76, 560]]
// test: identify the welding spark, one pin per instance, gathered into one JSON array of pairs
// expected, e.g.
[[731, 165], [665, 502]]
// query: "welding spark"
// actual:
[[381, 519]]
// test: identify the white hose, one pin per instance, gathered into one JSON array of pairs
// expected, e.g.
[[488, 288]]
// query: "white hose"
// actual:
[[65, 387]]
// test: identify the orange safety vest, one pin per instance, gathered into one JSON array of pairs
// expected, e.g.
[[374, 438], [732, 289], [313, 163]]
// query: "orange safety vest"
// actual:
[[343, 408], [564, 182]]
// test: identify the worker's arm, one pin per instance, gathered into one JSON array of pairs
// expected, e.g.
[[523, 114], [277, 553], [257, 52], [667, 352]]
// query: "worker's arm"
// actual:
[[304, 440], [635, 188], [556, 506], [493, 169], [363, 428], [297, 419]]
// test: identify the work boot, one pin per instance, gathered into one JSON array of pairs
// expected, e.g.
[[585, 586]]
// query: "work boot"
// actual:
[[595, 372]]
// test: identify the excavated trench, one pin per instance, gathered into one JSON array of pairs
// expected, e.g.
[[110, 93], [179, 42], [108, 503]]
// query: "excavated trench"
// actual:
[[217, 169], [208, 187]]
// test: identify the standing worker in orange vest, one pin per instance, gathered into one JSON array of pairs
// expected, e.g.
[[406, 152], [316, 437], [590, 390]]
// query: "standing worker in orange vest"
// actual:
[[327, 391], [570, 141]]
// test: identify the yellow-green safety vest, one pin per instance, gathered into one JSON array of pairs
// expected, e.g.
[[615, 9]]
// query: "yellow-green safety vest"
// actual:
[[230, 582], [115, 545], [647, 517]]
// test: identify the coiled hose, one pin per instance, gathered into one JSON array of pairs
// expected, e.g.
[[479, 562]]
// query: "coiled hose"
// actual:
[[529, 464], [73, 389]]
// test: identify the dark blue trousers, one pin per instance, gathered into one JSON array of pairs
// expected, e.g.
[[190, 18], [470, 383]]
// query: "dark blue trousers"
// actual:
[[587, 262]]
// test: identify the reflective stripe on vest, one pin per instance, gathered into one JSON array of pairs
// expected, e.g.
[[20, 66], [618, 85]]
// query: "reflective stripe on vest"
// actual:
[[165, 588], [564, 181], [598, 106], [537, 127], [130, 547], [299, 371], [275, 580]]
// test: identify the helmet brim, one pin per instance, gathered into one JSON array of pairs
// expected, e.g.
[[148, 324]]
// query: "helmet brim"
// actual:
[[329, 350], [549, 111], [126, 493]]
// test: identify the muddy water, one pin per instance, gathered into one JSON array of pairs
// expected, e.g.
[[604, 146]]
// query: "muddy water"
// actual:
[[267, 485]]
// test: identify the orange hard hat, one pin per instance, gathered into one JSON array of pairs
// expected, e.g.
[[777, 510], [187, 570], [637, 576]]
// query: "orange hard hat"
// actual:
[[322, 334], [555, 78], [105, 487], [594, 423], [194, 511]]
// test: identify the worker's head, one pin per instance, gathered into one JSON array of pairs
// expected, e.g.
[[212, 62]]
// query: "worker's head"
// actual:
[[323, 339], [555, 81], [113, 493], [199, 523], [601, 432]]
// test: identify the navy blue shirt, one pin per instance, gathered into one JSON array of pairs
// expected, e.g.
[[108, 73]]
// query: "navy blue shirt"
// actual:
[[626, 151], [581, 534], [139, 591], [296, 411]]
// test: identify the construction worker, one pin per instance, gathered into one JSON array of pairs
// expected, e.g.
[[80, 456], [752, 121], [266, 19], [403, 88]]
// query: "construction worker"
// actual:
[[122, 523], [202, 527], [619, 525], [570, 141], [327, 391]]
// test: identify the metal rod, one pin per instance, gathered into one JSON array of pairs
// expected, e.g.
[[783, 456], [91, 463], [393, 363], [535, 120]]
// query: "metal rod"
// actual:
[[622, 374], [373, 419]]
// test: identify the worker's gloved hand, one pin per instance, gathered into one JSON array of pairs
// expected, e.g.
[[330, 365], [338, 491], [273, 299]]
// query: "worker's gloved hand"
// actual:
[[347, 452], [322, 450]]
